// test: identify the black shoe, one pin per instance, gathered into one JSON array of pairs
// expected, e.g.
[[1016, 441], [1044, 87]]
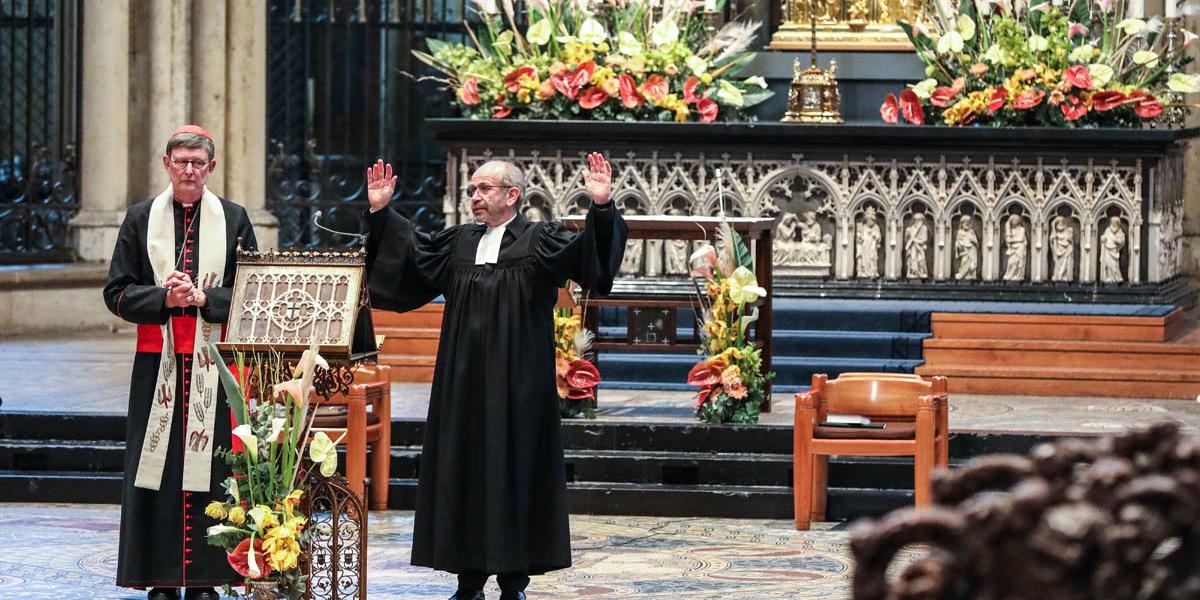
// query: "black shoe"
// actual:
[[516, 596], [163, 594], [461, 595], [201, 594]]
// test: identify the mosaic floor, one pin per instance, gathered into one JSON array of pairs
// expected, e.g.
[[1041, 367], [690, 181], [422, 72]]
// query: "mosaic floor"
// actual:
[[70, 551], [89, 373]]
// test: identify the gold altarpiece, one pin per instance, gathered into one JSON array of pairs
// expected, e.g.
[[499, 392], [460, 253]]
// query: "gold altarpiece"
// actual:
[[846, 24]]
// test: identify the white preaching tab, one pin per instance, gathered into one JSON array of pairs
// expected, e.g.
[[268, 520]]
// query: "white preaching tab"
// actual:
[[488, 250]]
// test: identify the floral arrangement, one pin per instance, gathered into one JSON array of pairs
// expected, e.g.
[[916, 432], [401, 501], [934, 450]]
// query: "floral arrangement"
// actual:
[[259, 525], [576, 376], [732, 385], [604, 60], [1008, 62]]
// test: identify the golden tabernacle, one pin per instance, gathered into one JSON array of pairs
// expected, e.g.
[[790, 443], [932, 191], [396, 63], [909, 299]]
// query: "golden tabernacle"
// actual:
[[846, 24]]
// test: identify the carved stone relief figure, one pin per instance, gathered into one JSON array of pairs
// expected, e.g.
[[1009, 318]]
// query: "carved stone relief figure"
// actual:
[[634, 249], [676, 250], [966, 248], [1062, 248], [1112, 241], [916, 244], [866, 241], [785, 246], [1016, 247], [815, 244]]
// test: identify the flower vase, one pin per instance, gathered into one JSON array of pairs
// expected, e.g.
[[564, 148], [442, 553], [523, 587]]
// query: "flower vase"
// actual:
[[262, 590]]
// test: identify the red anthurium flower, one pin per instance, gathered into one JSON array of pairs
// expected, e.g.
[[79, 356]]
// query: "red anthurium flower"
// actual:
[[1104, 101], [582, 375], [500, 110], [562, 83], [968, 118], [889, 110], [469, 94], [583, 74], [1028, 99], [708, 110], [1079, 76], [1073, 109], [629, 94], [910, 107], [999, 97], [512, 81], [689, 90], [655, 87], [943, 96], [704, 394], [592, 97], [240, 561], [1076, 29], [707, 372], [1146, 106]]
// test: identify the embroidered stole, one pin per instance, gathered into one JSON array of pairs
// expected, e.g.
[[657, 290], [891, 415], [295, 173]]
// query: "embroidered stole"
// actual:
[[201, 420]]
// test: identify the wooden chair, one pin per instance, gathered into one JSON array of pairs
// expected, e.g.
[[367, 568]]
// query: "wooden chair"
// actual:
[[914, 411], [365, 414]]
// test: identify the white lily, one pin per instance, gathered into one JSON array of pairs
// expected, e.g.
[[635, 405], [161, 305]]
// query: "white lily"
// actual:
[[220, 529], [244, 433], [277, 424]]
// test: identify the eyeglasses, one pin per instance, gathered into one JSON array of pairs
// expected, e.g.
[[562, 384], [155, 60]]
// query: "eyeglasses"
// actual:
[[182, 165], [484, 188]]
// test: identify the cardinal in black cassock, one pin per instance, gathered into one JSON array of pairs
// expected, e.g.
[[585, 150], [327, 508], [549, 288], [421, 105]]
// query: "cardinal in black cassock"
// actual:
[[492, 493], [172, 274]]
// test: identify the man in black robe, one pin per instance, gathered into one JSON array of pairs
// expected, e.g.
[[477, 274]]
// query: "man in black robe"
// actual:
[[172, 274], [492, 491]]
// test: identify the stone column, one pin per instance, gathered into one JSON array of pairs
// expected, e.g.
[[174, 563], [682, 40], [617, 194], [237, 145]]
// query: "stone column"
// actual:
[[170, 56], [208, 93], [104, 139], [246, 116]]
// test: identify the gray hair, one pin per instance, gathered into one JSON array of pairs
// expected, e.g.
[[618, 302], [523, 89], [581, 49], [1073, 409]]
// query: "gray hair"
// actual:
[[191, 140], [510, 174]]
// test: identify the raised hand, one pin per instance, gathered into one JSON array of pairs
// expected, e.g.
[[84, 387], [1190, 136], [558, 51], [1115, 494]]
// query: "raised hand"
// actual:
[[381, 184], [597, 178]]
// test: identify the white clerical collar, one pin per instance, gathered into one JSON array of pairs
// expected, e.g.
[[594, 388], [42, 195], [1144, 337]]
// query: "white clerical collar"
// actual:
[[488, 250]]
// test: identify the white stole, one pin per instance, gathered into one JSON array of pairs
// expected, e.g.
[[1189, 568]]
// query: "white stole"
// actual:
[[197, 442]]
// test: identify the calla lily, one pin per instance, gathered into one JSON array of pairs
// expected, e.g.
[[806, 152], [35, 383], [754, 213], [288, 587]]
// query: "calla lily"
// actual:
[[277, 424], [743, 288], [1183, 83], [1188, 37], [628, 44], [592, 32], [702, 260], [757, 80], [262, 518], [539, 33], [216, 530], [323, 451], [291, 389], [243, 433], [664, 33]]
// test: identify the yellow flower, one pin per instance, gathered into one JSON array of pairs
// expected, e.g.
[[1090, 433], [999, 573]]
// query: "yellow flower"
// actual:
[[681, 114], [706, 78], [715, 329], [237, 515], [523, 96], [283, 551], [743, 288], [263, 517], [217, 510]]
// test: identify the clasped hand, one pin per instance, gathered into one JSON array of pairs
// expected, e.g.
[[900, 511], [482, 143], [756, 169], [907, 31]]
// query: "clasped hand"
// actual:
[[182, 292]]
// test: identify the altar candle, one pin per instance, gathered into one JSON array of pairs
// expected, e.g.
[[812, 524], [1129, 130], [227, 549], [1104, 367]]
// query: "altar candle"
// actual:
[[1137, 9], [1170, 7]]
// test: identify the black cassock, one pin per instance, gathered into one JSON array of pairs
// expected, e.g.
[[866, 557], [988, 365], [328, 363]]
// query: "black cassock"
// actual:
[[492, 495], [163, 532]]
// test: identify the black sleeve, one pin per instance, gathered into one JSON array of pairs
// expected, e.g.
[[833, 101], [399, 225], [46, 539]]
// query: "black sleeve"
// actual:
[[406, 268], [591, 257], [126, 292]]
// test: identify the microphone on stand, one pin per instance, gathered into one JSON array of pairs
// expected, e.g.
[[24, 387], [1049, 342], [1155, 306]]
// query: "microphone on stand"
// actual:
[[362, 238]]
